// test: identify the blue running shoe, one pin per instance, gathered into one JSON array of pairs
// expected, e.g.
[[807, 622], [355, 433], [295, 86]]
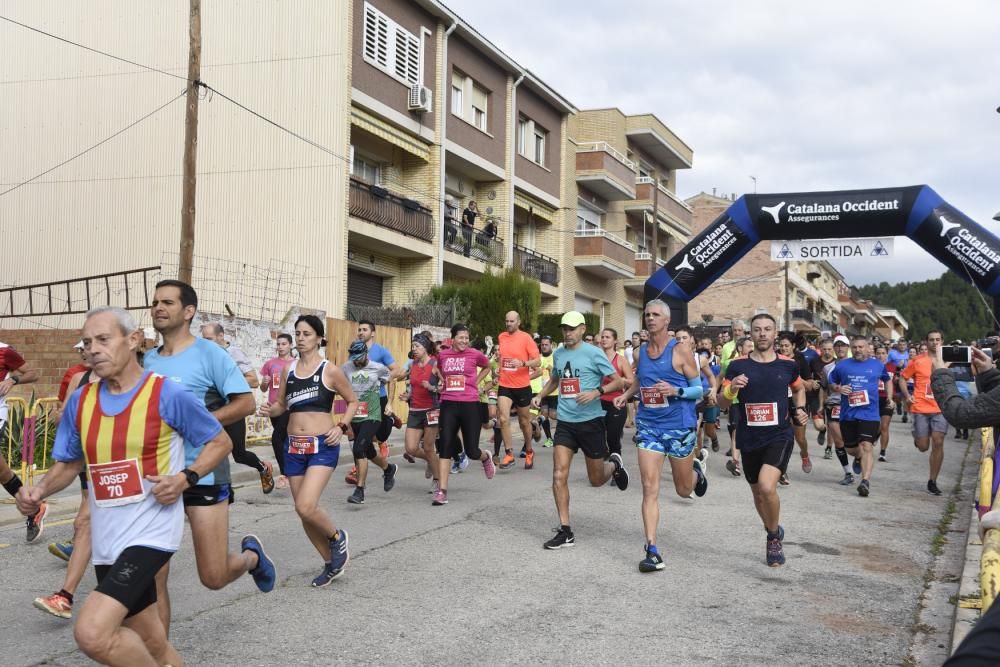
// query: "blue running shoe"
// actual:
[[856, 466], [775, 552], [339, 553], [653, 561], [61, 550], [326, 576], [264, 575]]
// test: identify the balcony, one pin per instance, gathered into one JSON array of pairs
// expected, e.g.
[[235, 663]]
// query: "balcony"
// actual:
[[644, 265], [475, 244], [536, 265], [658, 141], [605, 171], [667, 203], [828, 325], [603, 254], [805, 320], [378, 206]]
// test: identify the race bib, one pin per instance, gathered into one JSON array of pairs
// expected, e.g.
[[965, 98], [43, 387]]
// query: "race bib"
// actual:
[[507, 363], [432, 417], [454, 383], [881, 386], [275, 381], [116, 483], [835, 412], [928, 393], [303, 444], [653, 397], [762, 414], [491, 394], [362, 410], [569, 387], [857, 398]]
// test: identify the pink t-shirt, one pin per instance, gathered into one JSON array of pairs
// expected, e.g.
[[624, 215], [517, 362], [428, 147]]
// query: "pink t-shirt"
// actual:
[[460, 370], [273, 368]]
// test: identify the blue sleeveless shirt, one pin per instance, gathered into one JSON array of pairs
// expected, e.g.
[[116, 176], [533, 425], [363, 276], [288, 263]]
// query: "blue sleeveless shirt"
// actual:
[[657, 412]]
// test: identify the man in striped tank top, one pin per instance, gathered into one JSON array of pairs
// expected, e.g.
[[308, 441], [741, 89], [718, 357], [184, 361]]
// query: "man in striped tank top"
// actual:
[[128, 431]]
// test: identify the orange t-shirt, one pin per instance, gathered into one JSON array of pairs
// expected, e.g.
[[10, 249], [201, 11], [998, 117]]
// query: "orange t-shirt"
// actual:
[[517, 345], [919, 370]]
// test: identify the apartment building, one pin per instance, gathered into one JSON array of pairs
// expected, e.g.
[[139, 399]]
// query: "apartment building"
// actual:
[[441, 118], [802, 296], [629, 219]]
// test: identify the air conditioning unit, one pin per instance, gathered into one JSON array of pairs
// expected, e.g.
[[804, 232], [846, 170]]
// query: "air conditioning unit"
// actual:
[[420, 98]]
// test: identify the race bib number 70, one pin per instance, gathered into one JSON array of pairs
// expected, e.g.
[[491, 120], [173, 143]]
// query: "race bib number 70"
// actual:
[[116, 483]]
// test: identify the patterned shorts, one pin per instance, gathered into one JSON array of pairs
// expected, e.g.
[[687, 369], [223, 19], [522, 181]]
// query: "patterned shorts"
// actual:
[[675, 443]]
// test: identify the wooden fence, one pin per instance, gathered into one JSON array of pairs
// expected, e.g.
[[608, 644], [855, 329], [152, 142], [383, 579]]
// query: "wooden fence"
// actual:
[[341, 333]]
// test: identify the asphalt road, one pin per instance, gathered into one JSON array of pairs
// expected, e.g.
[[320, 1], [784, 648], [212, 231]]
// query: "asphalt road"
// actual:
[[470, 583]]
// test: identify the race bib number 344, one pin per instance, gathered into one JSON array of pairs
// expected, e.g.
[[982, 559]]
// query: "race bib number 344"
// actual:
[[116, 483]]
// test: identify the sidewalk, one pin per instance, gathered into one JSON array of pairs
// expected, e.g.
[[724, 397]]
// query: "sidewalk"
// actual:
[[65, 504]]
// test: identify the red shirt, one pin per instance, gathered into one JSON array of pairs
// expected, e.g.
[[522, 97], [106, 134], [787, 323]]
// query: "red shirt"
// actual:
[[67, 378], [612, 395], [420, 398], [10, 360]]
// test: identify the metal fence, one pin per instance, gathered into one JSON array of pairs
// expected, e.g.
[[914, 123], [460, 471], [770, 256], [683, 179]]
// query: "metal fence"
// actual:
[[431, 314]]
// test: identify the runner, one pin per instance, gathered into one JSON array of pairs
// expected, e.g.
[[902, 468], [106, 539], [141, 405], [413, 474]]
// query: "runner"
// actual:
[[885, 410], [366, 377], [381, 355], [685, 336], [518, 353], [581, 371], [814, 392], [547, 407], [614, 417], [764, 432], [313, 445], [127, 432], [211, 375], [425, 406], [77, 550], [669, 384], [786, 348], [743, 348], [270, 383], [709, 405], [857, 380], [14, 371], [900, 355], [739, 332], [237, 431], [833, 354], [460, 370], [929, 425]]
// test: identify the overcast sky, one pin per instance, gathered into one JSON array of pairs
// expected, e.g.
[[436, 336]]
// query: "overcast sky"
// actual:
[[804, 96]]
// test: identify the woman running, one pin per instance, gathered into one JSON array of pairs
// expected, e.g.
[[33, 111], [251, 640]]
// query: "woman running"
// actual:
[[614, 418], [307, 391], [457, 370], [270, 382], [424, 397], [885, 412]]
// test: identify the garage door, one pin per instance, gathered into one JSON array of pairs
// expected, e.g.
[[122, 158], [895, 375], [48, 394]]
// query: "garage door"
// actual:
[[363, 289], [633, 319]]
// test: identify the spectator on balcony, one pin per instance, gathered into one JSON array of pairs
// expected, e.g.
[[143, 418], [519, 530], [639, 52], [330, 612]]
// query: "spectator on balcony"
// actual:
[[450, 228], [468, 224], [489, 232]]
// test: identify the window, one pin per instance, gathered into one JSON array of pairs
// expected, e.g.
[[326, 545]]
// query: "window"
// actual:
[[531, 140], [366, 169], [391, 48], [587, 219], [469, 100]]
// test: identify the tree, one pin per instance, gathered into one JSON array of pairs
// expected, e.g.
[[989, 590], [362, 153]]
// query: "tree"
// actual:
[[486, 301]]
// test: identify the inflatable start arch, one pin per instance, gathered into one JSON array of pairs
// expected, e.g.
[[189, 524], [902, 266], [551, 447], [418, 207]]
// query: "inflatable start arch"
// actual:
[[954, 239]]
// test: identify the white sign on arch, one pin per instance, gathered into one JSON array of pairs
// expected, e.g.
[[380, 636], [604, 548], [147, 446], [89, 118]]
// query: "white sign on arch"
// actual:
[[820, 249]]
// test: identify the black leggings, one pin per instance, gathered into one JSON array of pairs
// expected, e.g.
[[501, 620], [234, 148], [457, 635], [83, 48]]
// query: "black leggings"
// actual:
[[614, 426], [279, 431], [385, 428], [464, 415], [238, 434], [363, 446]]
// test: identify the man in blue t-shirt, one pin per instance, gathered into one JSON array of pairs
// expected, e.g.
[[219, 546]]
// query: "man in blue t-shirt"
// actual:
[[211, 374], [857, 381], [579, 368], [761, 380], [900, 355], [380, 355]]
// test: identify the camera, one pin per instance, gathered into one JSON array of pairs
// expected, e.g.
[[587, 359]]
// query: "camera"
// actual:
[[984, 343], [956, 354]]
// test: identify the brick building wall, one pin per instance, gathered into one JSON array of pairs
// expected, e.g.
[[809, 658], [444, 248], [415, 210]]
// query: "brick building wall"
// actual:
[[49, 351]]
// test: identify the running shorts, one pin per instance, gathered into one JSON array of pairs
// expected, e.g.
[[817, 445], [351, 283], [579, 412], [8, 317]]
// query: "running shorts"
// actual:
[[132, 578], [856, 431], [587, 436], [206, 495], [521, 396], [775, 455]]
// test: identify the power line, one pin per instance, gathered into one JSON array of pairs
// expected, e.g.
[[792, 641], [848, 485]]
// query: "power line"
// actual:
[[100, 143], [89, 48]]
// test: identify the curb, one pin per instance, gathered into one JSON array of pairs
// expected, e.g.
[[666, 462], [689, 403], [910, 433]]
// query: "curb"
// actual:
[[966, 618]]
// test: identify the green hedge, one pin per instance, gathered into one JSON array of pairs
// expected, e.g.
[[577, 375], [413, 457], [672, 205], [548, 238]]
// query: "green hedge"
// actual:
[[482, 304], [548, 325]]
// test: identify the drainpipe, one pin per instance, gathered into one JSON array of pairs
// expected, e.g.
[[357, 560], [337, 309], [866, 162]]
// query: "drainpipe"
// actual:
[[512, 156], [443, 138]]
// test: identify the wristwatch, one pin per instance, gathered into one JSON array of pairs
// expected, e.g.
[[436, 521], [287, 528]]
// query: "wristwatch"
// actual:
[[680, 392], [192, 477], [600, 390]]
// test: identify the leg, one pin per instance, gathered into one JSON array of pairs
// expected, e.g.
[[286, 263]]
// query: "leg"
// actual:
[[650, 470], [217, 566], [448, 426], [614, 424], [562, 457], [800, 440], [885, 433], [279, 432], [238, 434], [867, 460], [469, 422], [684, 475], [306, 492], [504, 404], [150, 630], [937, 454], [765, 497], [80, 557], [100, 634], [599, 471], [524, 420]]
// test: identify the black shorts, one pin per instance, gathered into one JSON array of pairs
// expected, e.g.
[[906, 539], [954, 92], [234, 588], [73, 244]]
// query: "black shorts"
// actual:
[[812, 403], [855, 431], [132, 578], [550, 402], [828, 412], [520, 397], [775, 455], [418, 419], [206, 495], [484, 413], [588, 437], [883, 411], [363, 446]]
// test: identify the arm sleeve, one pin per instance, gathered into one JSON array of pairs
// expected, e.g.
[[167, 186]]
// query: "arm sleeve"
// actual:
[[187, 415], [694, 391], [67, 446], [988, 381], [982, 410]]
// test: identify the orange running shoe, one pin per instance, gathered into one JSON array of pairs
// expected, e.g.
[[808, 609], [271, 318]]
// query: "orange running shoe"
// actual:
[[267, 478], [56, 604], [383, 450], [529, 460], [508, 460], [352, 477]]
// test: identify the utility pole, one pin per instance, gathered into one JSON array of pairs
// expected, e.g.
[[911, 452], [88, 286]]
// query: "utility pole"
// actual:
[[186, 257], [656, 221]]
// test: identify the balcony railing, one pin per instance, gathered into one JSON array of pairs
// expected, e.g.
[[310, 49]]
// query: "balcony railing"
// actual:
[[805, 316], [474, 243], [536, 265], [377, 205], [595, 242], [646, 180], [607, 148]]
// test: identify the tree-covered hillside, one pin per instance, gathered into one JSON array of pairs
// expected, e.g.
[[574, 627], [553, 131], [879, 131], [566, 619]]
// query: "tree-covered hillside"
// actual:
[[945, 303]]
